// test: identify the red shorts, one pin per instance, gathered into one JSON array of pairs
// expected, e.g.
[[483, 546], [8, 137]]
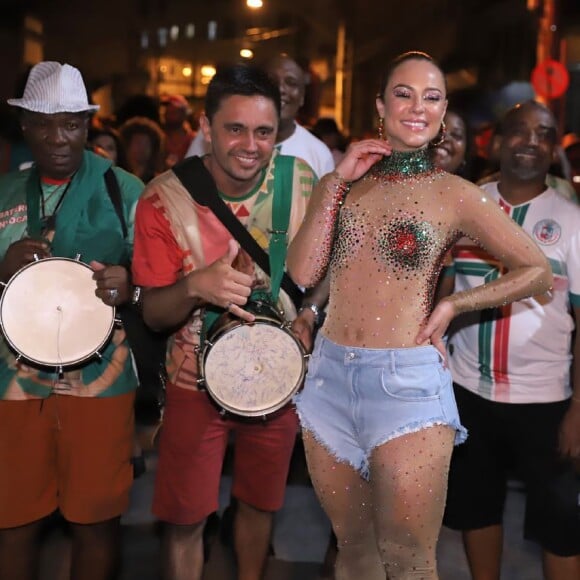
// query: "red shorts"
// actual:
[[72, 453], [191, 453]]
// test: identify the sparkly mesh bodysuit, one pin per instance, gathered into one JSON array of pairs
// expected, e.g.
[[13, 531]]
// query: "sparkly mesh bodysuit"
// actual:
[[386, 243]]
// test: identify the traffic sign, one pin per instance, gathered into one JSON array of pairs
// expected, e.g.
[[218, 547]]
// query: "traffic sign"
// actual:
[[550, 79]]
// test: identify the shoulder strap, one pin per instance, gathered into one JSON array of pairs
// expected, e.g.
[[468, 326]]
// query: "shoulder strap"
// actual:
[[281, 206], [115, 195], [200, 184]]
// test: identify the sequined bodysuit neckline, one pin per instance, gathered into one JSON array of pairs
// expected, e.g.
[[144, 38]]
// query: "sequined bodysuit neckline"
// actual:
[[402, 164]]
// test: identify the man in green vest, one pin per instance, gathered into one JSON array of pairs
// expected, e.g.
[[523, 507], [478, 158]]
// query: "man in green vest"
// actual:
[[66, 432]]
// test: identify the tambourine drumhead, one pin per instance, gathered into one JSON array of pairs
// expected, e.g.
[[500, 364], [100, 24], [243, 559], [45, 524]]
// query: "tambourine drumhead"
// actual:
[[253, 369], [50, 314]]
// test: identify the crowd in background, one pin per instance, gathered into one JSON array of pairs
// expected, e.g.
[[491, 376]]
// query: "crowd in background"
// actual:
[[149, 135]]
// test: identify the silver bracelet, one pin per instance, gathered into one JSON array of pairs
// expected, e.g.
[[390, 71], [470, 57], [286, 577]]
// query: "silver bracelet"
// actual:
[[314, 309]]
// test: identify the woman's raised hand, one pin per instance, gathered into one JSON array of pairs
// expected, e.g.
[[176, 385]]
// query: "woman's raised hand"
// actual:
[[360, 157]]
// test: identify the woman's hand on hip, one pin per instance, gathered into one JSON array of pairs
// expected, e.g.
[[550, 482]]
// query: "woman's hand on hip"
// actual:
[[436, 327]]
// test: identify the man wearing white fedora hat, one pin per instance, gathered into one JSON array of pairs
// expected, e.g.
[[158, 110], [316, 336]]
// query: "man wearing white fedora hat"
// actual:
[[66, 425]]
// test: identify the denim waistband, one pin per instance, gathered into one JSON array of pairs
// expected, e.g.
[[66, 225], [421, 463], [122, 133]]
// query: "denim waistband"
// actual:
[[354, 355]]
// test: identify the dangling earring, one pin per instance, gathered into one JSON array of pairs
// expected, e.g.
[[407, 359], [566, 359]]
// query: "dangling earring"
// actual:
[[382, 128], [441, 134]]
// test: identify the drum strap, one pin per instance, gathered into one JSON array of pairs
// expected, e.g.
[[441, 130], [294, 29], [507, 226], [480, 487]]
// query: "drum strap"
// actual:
[[281, 202], [115, 195], [200, 184]]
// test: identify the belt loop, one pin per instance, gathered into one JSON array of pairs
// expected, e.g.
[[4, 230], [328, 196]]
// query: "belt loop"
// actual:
[[393, 357]]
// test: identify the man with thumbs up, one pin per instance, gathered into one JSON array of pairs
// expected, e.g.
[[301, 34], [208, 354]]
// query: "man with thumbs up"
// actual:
[[187, 263]]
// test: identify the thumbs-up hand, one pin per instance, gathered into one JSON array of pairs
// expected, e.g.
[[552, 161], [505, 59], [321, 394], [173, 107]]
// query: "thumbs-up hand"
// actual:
[[243, 263], [221, 284]]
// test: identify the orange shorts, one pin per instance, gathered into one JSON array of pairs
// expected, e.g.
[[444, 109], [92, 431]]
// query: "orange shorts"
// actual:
[[71, 453]]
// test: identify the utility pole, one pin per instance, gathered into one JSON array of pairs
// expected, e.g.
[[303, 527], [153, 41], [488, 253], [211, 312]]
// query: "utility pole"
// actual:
[[339, 104], [343, 66], [551, 46], [548, 46]]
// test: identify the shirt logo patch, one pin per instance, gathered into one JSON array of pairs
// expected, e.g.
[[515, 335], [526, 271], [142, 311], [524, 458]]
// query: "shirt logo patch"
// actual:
[[547, 232]]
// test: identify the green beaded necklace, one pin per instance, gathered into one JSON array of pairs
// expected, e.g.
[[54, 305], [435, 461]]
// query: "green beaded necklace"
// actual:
[[401, 164]]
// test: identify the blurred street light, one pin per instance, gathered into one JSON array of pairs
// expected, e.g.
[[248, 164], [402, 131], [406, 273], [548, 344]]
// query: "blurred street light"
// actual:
[[254, 4], [207, 72], [246, 53]]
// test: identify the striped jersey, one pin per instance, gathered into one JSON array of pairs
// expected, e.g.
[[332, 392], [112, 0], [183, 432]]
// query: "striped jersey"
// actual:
[[520, 353]]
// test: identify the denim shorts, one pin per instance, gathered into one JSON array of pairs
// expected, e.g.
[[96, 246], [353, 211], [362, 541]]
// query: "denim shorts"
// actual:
[[355, 399]]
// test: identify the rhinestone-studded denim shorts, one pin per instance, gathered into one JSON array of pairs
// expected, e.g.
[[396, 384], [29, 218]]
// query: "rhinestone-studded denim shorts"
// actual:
[[355, 399]]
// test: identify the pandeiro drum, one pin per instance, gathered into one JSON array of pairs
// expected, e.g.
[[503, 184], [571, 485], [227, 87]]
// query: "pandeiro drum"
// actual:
[[252, 369], [50, 314]]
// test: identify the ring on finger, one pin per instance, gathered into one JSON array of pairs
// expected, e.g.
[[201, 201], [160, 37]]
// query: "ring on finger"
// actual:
[[113, 294]]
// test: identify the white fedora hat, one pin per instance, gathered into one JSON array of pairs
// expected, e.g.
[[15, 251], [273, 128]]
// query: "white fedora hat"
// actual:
[[54, 88]]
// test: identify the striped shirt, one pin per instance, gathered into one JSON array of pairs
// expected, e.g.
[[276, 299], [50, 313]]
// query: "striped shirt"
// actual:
[[521, 353]]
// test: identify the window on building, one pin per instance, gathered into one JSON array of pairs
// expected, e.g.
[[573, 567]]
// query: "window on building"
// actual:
[[162, 36], [144, 40], [212, 30], [174, 32], [190, 30]]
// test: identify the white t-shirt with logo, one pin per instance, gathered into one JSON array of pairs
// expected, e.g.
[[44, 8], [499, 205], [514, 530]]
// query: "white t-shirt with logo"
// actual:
[[520, 353]]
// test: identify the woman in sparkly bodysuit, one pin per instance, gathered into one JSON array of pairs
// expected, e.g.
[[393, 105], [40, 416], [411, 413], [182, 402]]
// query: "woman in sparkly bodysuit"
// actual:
[[377, 411]]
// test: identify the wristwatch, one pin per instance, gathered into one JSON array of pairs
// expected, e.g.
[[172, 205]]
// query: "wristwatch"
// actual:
[[314, 309], [137, 296]]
